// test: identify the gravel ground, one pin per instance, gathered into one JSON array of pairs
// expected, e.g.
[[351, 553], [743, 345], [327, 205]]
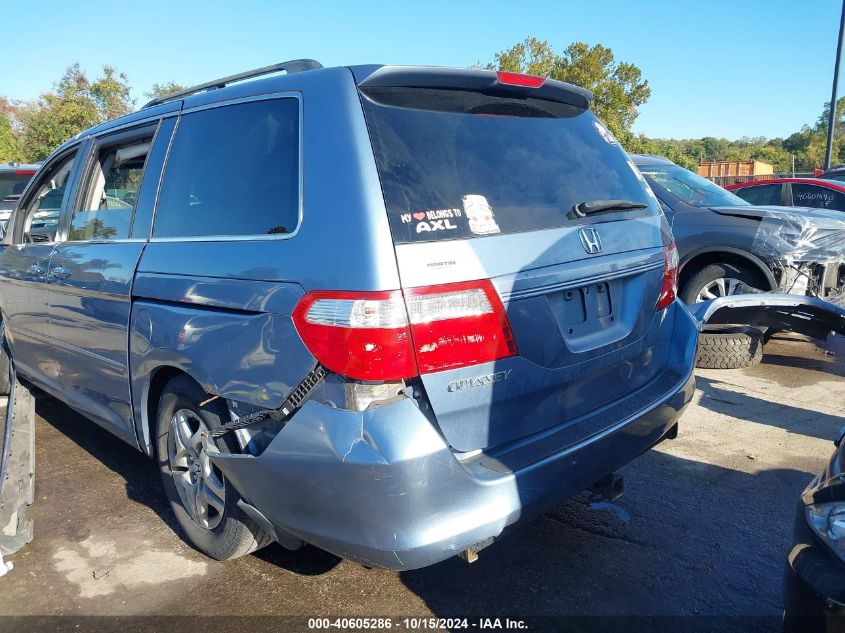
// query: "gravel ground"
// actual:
[[702, 530]]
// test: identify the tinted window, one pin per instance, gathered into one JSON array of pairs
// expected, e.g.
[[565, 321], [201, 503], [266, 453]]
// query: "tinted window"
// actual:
[[457, 164], [13, 183], [232, 170], [804, 195], [42, 214], [691, 188], [760, 194], [112, 188]]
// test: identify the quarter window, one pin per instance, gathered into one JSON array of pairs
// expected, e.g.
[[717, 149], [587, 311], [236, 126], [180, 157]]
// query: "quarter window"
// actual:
[[232, 170], [112, 187]]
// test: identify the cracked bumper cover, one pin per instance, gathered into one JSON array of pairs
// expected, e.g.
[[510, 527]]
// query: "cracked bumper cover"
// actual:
[[382, 488], [784, 312]]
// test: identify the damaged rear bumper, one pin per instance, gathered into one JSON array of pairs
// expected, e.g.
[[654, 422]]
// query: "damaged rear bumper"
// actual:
[[382, 487], [783, 312]]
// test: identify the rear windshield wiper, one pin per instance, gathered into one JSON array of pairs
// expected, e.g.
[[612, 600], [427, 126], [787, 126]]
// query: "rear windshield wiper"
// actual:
[[583, 209]]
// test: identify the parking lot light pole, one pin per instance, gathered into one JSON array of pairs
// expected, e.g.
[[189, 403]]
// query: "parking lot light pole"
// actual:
[[832, 118]]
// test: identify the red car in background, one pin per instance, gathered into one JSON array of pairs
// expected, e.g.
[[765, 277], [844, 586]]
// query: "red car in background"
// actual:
[[818, 193]]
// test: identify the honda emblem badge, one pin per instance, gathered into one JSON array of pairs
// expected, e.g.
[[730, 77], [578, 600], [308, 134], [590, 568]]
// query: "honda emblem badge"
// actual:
[[590, 240]]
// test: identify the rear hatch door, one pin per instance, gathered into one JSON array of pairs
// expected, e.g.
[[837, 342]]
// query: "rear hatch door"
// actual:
[[480, 179]]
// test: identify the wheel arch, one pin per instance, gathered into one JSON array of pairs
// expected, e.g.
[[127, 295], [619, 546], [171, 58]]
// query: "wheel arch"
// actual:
[[152, 389], [693, 262]]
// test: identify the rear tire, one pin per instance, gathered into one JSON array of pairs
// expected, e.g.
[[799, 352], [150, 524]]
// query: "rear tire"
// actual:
[[717, 280], [205, 505], [730, 347]]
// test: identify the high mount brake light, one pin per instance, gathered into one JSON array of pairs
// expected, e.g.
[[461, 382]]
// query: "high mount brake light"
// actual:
[[669, 286], [518, 79], [378, 336]]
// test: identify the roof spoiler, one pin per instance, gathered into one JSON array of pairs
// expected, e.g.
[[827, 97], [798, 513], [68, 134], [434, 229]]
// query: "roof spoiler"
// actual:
[[488, 81], [292, 66]]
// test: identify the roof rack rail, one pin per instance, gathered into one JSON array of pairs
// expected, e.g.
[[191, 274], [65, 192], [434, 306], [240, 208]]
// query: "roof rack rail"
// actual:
[[292, 66]]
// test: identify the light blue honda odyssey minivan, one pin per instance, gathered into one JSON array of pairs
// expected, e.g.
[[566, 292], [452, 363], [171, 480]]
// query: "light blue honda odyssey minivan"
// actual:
[[388, 311]]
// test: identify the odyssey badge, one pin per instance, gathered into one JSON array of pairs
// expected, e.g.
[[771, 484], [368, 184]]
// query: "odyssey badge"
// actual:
[[478, 381]]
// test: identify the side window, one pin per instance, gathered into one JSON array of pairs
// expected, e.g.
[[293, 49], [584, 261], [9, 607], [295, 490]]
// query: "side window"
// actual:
[[232, 170], [110, 191], [805, 195], [42, 214], [760, 194]]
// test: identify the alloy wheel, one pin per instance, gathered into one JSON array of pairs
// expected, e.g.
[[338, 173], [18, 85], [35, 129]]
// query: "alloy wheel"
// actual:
[[721, 287], [199, 483]]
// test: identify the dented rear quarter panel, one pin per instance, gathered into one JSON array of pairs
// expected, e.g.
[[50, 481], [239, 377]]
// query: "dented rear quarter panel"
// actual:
[[234, 337]]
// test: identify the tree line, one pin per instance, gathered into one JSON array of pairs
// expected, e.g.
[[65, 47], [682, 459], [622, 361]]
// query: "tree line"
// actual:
[[30, 131]]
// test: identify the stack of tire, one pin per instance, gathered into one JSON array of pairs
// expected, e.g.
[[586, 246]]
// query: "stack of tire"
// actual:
[[729, 347]]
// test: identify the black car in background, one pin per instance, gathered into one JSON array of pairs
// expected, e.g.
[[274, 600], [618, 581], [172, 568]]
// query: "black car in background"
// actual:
[[814, 582], [13, 180], [726, 244], [836, 172]]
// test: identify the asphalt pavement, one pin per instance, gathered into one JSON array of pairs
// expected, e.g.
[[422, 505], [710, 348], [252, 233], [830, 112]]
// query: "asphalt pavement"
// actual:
[[702, 530]]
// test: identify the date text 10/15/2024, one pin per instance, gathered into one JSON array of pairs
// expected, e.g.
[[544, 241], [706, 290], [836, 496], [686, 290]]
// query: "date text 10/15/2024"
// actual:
[[417, 623]]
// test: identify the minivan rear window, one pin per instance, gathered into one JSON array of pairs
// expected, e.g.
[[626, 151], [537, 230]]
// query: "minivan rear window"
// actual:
[[461, 164]]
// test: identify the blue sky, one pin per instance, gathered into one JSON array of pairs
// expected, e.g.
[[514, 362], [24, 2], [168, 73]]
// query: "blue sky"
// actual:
[[716, 68]]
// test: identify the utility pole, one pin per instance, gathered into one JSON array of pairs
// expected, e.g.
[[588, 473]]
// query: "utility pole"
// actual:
[[832, 118]]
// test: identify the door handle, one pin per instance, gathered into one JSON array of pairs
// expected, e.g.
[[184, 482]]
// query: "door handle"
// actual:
[[60, 272], [36, 270]]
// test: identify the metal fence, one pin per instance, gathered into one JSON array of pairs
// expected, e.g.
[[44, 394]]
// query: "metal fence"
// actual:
[[724, 181]]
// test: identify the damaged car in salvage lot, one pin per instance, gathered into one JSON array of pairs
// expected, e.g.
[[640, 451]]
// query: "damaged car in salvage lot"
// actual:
[[728, 246], [814, 583], [724, 241], [404, 342]]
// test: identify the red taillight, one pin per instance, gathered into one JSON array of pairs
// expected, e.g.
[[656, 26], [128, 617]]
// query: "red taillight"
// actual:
[[362, 335], [518, 79], [456, 325], [669, 287], [377, 336], [24, 172]]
